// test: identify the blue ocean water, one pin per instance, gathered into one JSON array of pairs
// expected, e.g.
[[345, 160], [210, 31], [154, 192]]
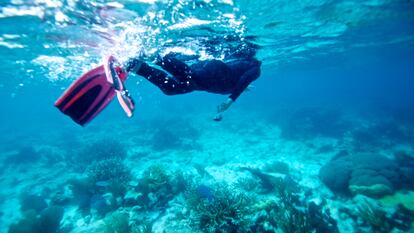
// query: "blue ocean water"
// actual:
[[321, 142]]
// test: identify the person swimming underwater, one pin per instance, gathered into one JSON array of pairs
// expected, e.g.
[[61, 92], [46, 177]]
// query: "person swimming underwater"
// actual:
[[215, 76], [230, 77]]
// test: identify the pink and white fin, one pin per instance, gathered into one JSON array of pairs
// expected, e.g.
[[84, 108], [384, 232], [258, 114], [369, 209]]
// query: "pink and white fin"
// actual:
[[116, 76]]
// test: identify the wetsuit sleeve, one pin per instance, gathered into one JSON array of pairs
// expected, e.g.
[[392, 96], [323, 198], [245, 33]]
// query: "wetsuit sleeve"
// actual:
[[244, 82]]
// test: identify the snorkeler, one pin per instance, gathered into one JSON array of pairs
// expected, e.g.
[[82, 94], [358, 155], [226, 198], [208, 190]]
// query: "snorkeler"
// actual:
[[94, 90], [213, 76]]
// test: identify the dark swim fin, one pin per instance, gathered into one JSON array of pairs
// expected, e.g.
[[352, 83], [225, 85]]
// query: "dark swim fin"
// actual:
[[87, 96]]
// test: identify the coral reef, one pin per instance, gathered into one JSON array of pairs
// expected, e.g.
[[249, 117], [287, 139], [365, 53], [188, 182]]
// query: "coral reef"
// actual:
[[379, 219], [106, 180], [32, 202], [110, 174], [47, 221], [269, 183], [361, 173], [381, 134], [50, 219], [116, 222], [405, 163], [218, 209], [289, 218], [120, 221], [289, 214], [82, 191], [159, 185], [373, 215], [101, 204], [337, 173], [403, 198], [275, 193]]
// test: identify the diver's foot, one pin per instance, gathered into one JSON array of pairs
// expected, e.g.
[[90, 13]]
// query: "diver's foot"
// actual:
[[114, 73]]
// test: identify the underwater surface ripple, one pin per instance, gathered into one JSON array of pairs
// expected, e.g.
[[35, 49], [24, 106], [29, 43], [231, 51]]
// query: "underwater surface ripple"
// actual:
[[322, 142]]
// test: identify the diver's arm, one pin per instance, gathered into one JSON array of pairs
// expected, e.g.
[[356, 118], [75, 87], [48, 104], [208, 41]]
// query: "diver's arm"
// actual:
[[225, 105], [244, 82], [221, 108]]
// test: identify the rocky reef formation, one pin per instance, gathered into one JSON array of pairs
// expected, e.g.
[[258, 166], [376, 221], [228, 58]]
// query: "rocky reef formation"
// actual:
[[369, 174]]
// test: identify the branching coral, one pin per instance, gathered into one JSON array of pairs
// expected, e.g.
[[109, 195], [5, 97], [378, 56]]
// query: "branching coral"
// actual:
[[112, 172], [289, 214], [225, 212], [108, 170], [155, 177], [158, 186]]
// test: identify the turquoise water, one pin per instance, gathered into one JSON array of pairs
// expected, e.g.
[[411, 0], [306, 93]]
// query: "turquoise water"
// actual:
[[322, 142]]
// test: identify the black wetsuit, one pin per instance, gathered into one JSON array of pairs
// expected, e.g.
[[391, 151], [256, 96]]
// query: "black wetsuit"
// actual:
[[212, 76]]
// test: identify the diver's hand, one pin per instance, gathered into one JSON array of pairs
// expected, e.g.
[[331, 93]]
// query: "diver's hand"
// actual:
[[249, 88], [218, 117], [224, 106], [221, 108]]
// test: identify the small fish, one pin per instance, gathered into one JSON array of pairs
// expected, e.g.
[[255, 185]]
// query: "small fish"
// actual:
[[205, 192], [102, 183]]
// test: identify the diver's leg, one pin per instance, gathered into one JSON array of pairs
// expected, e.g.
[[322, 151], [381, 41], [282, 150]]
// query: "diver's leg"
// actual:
[[179, 69], [168, 84], [170, 63], [133, 65]]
